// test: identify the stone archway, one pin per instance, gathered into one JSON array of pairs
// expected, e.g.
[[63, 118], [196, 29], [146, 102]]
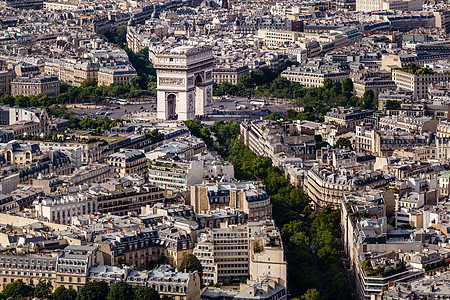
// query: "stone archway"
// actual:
[[198, 80], [199, 94], [172, 106]]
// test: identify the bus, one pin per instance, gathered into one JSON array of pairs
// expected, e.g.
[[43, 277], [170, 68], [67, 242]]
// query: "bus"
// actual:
[[258, 102]]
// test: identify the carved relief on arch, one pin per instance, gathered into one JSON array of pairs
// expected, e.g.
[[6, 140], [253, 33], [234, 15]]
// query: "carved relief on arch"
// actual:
[[171, 81]]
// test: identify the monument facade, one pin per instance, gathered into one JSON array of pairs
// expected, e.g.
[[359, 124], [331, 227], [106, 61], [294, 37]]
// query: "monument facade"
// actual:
[[184, 87]]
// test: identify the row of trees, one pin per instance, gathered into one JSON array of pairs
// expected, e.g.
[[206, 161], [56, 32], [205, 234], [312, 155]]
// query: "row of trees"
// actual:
[[89, 91], [95, 290], [302, 229], [310, 237], [139, 60], [142, 85], [59, 111], [98, 290], [316, 102], [247, 83]]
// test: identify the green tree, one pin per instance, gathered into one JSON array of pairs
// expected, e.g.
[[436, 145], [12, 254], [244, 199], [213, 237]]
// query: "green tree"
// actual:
[[392, 104], [225, 130], [190, 263], [121, 291], [97, 290], [244, 82], [17, 289], [343, 142], [194, 126], [291, 114], [42, 290], [274, 116], [22, 101], [91, 82], [7, 99], [61, 293], [146, 293], [319, 143], [327, 84], [368, 100], [311, 294], [347, 86]]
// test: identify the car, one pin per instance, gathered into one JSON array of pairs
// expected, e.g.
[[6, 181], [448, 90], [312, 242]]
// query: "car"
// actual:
[[221, 107], [235, 102]]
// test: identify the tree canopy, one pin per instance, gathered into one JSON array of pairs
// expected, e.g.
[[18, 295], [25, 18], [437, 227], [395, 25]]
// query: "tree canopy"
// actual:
[[120, 291], [145, 293], [97, 290], [190, 263], [61, 293], [302, 229], [17, 290], [343, 142]]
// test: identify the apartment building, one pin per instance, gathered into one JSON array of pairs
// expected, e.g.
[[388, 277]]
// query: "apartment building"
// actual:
[[250, 197], [71, 71], [348, 118], [392, 95], [92, 151], [39, 85], [73, 265], [128, 162], [165, 280], [29, 268], [22, 4], [266, 258], [408, 124], [127, 200], [61, 211], [278, 38], [6, 77], [88, 174], [115, 75], [26, 70], [384, 143], [174, 174], [327, 185], [139, 247], [443, 129], [277, 140], [229, 74], [374, 5], [377, 86], [224, 254], [376, 254], [312, 78], [433, 286], [418, 83]]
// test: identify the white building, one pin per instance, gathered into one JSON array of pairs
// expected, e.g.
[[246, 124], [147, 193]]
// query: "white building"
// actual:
[[62, 210], [175, 174], [373, 5], [224, 254], [270, 261], [418, 83], [313, 78], [184, 82]]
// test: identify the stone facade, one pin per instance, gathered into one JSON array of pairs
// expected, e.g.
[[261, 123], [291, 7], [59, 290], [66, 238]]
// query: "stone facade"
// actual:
[[184, 82]]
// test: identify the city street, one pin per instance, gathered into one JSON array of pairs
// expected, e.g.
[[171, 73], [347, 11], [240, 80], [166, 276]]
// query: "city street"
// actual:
[[226, 109]]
